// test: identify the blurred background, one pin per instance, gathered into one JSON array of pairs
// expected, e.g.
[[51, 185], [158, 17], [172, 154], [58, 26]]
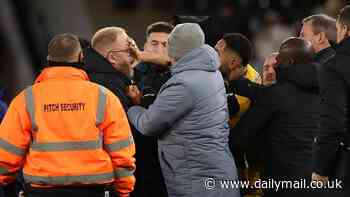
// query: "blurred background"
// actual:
[[26, 26]]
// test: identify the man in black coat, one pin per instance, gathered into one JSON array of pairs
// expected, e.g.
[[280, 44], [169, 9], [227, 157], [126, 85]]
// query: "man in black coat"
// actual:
[[320, 30], [109, 61], [334, 90], [154, 68], [150, 74], [285, 115]]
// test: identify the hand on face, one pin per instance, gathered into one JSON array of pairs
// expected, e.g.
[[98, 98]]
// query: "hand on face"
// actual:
[[155, 49], [134, 49]]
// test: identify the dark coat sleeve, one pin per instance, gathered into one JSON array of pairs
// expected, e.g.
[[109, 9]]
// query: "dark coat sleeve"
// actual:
[[333, 115], [255, 119], [232, 104], [245, 87]]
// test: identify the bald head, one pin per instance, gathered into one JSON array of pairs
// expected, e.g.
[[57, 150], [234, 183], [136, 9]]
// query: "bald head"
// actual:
[[105, 38], [64, 48], [295, 51]]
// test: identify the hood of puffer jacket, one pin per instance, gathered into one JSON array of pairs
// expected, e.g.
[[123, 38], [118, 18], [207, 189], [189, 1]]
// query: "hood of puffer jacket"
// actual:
[[204, 58]]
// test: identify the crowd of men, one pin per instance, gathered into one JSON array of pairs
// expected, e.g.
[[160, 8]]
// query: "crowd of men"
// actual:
[[107, 119]]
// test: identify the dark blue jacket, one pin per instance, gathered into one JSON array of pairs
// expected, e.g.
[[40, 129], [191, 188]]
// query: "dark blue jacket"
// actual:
[[149, 78], [3, 105]]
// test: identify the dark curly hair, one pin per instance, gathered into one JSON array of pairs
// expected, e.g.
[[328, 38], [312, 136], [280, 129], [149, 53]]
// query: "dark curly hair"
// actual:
[[241, 45]]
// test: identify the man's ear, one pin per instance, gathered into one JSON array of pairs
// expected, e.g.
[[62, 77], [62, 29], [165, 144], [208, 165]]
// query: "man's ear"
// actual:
[[111, 58], [322, 38]]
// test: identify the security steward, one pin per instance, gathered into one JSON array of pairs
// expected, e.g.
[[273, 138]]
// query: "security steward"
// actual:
[[70, 136]]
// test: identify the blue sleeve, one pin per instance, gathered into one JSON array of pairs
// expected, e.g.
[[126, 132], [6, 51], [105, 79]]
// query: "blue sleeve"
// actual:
[[3, 109]]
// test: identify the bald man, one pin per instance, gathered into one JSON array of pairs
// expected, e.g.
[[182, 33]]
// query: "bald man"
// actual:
[[295, 51], [285, 114]]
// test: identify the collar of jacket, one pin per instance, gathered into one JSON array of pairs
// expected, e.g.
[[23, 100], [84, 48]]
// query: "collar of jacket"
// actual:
[[59, 72], [324, 55], [96, 63], [79, 65], [204, 58], [343, 46]]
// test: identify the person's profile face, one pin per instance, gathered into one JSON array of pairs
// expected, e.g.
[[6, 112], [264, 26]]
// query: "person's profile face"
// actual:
[[157, 42], [308, 34], [341, 31], [119, 55]]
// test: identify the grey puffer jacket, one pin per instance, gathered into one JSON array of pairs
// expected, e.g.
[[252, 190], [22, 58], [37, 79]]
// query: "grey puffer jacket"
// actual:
[[191, 119]]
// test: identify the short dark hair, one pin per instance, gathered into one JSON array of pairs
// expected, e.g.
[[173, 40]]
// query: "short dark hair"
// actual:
[[63, 47], [344, 16], [159, 27], [240, 44], [323, 23]]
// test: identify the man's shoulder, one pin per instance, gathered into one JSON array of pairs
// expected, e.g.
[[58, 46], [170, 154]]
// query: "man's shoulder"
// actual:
[[339, 63], [274, 92], [176, 80]]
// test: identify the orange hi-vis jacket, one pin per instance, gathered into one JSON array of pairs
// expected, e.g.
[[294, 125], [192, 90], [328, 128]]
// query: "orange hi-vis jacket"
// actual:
[[66, 130]]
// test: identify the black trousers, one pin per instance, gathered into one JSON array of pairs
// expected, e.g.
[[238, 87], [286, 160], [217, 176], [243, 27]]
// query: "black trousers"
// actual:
[[83, 191], [8, 191]]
